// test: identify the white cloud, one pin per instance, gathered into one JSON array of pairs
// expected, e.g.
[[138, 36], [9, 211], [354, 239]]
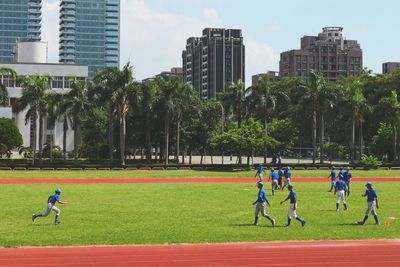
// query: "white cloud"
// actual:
[[212, 16], [260, 57], [50, 29]]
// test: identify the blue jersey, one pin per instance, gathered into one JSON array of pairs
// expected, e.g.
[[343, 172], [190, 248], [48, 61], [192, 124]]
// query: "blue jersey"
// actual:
[[347, 177], [281, 173], [341, 174], [54, 198], [262, 197], [260, 170], [333, 176], [288, 174], [293, 197], [340, 185], [274, 176], [371, 194]]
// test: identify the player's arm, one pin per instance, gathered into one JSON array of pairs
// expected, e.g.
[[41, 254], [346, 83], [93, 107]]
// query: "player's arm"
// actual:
[[63, 202], [286, 199], [377, 204], [269, 205]]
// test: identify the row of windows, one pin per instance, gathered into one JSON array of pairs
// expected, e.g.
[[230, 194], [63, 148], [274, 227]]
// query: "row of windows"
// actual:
[[13, 8]]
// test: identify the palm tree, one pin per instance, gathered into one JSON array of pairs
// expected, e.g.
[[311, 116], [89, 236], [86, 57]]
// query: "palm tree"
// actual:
[[148, 92], [234, 99], [34, 96], [73, 107], [104, 89], [126, 95], [53, 101], [3, 89], [355, 99], [321, 98], [262, 100]]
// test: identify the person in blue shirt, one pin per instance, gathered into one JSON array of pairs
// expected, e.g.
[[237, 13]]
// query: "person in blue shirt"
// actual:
[[341, 173], [274, 177], [293, 206], [333, 178], [260, 171], [372, 200], [51, 201], [340, 189], [281, 173], [347, 180], [287, 175], [261, 203]]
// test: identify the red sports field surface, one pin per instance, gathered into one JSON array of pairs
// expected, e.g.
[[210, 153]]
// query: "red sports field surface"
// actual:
[[168, 180], [313, 253]]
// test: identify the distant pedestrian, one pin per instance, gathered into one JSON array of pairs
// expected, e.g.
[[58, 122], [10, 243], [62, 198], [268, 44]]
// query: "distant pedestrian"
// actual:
[[347, 180], [293, 206], [372, 200], [333, 178], [261, 203]]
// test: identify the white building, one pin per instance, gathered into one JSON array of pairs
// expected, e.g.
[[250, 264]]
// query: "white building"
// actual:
[[31, 58]]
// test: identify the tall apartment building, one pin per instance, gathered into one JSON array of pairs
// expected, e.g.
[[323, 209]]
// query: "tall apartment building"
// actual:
[[329, 53], [212, 61], [90, 33], [390, 67], [19, 20]]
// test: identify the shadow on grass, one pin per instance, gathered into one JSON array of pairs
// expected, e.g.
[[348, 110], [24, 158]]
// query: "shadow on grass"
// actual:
[[350, 224], [259, 225]]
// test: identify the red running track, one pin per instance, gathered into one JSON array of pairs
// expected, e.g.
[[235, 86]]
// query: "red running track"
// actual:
[[313, 253], [168, 180]]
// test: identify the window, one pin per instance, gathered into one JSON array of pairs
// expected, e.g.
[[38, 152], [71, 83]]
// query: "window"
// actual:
[[8, 81], [57, 82]]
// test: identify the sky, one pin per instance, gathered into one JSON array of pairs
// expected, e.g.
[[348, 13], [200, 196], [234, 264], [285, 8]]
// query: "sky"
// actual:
[[154, 32]]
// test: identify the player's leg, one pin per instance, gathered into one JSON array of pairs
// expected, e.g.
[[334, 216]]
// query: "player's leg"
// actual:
[[257, 211], [272, 186], [348, 188], [303, 222], [49, 207], [344, 200], [373, 211], [263, 213], [332, 186], [57, 211], [337, 200], [290, 212], [368, 212]]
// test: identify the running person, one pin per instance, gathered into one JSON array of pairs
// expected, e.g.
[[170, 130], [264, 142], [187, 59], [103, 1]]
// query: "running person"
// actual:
[[281, 173], [347, 180], [372, 199], [333, 178], [274, 182], [293, 206], [287, 175], [260, 204], [260, 171], [51, 201], [340, 189]]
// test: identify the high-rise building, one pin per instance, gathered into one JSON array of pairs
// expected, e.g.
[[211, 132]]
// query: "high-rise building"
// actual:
[[19, 20], [328, 53], [212, 61], [390, 67], [272, 75], [89, 33]]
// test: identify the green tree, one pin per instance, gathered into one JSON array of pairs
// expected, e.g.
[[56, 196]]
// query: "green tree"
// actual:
[[4, 100], [285, 132], [381, 142], [74, 106], [10, 137], [34, 92], [234, 99]]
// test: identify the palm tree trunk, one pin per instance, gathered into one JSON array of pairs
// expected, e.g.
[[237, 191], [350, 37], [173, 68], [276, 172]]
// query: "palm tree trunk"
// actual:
[[394, 142], [266, 131], [321, 144], [353, 145], [40, 138], [34, 138], [65, 129], [166, 130], [314, 136], [76, 138], [178, 126], [111, 134], [361, 140], [51, 148], [122, 135], [148, 138]]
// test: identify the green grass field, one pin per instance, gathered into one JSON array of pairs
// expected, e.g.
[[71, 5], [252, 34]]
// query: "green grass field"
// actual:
[[182, 213], [179, 173]]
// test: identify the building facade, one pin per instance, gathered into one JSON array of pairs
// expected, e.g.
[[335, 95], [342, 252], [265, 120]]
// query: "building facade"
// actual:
[[328, 53], [390, 67], [272, 75], [90, 33], [26, 64], [212, 61], [19, 20]]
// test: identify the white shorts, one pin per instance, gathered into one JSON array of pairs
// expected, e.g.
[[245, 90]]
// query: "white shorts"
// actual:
[[371, 208], [292, 211], [340, 197], [286, 181], [51, 207]]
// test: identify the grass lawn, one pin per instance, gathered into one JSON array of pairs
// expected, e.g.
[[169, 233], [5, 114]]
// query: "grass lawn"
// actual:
[[179, 173], [184, 213]]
